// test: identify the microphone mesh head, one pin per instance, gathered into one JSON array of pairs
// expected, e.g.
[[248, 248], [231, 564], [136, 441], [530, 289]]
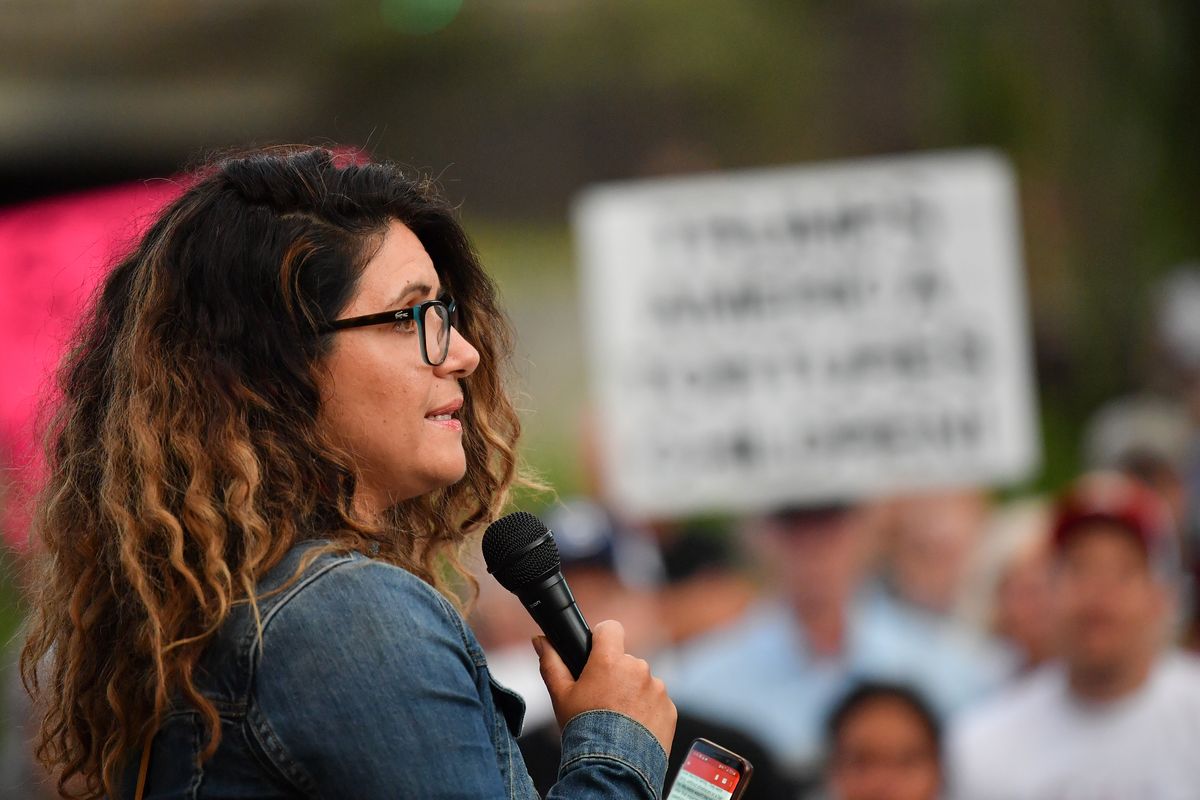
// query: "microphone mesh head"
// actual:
[[503, 542]]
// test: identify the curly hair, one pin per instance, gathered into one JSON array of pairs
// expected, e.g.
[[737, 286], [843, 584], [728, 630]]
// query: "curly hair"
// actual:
[[186, 457]]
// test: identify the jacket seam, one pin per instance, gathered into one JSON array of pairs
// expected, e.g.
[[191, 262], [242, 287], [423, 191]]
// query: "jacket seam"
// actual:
[[613, 756], [251, 643], [510, 777], [448, 611], [480, 660], [604, 711], [590, 755], [265, 740], [193, 790], [274, 750]]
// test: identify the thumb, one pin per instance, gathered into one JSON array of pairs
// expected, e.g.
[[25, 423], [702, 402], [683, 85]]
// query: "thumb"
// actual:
[[555, 674]]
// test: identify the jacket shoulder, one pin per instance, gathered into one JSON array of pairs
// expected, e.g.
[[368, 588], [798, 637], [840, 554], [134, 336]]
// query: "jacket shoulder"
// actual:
[[316, 599], [340, 595]]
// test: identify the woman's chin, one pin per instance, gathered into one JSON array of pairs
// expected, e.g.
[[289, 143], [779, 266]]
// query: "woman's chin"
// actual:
[[447, 474], [435, 477]]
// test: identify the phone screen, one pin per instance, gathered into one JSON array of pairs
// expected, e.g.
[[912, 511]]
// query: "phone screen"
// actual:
[[703, 777]]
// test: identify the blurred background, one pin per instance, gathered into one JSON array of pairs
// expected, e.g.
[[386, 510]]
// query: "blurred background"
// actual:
[[517, 105]]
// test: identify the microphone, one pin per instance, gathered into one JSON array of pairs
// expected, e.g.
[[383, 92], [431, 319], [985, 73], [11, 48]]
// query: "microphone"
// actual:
[[520, 552]]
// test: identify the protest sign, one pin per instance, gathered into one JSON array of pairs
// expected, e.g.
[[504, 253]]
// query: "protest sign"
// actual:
[[799, 335]]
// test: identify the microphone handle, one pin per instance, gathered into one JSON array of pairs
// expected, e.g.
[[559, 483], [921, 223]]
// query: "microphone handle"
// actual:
[[553, 608]]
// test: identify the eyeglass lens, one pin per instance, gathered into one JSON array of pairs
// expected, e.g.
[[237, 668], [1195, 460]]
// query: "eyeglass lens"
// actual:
[[437, 333]]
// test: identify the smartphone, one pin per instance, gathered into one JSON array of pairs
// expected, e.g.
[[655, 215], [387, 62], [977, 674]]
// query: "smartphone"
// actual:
[[710, 772]]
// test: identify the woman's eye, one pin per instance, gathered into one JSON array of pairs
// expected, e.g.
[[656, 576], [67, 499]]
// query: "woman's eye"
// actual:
[[406, 325]]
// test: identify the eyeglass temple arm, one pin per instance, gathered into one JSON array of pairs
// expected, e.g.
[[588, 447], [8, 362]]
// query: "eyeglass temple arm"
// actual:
[[368, 319]]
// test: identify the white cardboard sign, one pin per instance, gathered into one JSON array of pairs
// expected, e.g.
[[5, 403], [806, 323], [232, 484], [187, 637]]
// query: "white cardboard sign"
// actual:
[[787, 336]]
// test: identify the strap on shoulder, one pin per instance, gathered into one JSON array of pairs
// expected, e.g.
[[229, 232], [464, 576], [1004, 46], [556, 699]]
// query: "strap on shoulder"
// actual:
[[144, 768]]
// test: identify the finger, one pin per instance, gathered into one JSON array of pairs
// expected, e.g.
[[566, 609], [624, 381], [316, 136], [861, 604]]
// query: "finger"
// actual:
[[608, 639], [555, 674]]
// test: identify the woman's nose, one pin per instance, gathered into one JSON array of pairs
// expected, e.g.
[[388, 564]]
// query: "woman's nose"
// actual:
[[461, 359]]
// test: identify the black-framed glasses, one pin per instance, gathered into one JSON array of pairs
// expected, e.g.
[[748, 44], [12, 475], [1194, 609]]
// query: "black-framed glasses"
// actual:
[[433, 319]]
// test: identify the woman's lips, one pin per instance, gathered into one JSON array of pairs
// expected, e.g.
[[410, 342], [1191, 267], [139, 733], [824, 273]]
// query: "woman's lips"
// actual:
[[444, 417], [448, 422]]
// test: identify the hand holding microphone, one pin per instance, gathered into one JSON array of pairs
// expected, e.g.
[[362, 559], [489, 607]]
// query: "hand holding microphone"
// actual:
[[584, 670], [613, 680]]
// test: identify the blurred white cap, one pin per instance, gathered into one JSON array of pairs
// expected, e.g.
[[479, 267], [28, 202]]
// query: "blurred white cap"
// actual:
[[1138, 426], [1177, 314]]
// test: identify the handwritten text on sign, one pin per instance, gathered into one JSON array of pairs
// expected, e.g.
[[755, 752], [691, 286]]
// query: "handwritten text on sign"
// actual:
[[808, 334]]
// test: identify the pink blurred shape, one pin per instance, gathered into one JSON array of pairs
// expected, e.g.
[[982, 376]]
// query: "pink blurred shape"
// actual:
[[53, 255]]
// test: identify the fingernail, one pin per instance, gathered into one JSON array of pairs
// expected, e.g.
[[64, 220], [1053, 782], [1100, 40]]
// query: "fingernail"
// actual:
[[538, 644]]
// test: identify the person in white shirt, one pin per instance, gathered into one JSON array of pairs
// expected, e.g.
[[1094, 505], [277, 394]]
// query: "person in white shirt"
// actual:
[[1117, 715]]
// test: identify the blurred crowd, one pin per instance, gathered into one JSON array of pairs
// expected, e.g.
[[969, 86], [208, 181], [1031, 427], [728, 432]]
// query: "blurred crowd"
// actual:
[[946, 643]]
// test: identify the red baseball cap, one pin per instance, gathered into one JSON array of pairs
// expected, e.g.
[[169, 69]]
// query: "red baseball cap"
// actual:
[[1124, 501]]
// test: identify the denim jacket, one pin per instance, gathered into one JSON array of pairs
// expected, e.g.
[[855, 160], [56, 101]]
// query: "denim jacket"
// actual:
[[366, 683]]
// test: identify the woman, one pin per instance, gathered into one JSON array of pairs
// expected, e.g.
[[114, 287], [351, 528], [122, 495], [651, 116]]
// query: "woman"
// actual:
[[280, 422], [884, 741]]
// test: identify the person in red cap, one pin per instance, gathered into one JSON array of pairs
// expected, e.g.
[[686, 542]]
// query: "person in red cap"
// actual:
[[1117, 714]]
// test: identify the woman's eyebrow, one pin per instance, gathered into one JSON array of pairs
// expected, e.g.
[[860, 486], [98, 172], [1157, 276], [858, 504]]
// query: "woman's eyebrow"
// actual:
[[408, 292]]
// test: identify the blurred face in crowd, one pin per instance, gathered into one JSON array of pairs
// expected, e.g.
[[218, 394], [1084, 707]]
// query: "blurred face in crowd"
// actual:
[[1109, 607], [934, 537], [818, 558], [1023, 596], [884, 751]]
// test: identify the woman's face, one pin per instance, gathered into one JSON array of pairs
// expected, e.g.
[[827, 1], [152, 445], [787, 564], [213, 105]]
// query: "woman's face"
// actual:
[[381, 401], [884, 752]]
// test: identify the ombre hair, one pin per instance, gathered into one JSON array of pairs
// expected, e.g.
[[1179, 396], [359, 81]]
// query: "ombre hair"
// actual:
[[186, 457]]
